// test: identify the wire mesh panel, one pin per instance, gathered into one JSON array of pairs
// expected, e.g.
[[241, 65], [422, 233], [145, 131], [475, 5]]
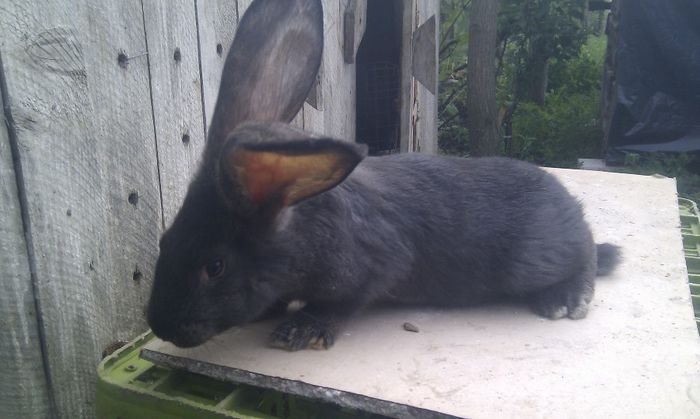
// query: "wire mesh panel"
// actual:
[[378, 121], [379, 78]]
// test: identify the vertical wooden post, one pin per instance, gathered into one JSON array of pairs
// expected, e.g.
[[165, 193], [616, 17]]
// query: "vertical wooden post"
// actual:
[[334, 110], [77, 98], [484, 136], [406, 140], [24, 388], [216, 22], [418, 102], [425, 60], [173, 58]]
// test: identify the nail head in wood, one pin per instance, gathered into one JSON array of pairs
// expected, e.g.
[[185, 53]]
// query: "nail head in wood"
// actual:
[[133, 198], [122, 60]]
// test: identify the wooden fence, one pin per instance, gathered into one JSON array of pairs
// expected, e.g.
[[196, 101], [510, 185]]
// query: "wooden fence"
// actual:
[[105, 107]]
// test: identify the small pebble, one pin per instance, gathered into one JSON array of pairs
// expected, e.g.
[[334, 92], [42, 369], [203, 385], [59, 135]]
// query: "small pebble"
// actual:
[[409, 327]]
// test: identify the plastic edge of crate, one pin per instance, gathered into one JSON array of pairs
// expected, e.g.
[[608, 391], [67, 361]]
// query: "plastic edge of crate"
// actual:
[[688, 209], [116, 393], [113, 388]]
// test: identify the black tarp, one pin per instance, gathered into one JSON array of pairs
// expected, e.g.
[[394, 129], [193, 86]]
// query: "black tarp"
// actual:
[[657, 73]]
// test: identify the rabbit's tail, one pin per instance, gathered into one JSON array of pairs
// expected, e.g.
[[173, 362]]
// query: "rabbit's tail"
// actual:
[[608, 258]]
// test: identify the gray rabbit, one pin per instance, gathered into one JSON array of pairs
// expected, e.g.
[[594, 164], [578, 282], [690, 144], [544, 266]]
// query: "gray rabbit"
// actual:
[[275, 214]]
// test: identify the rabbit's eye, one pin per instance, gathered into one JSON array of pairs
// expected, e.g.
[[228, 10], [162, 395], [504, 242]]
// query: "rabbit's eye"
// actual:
[[215, 268]]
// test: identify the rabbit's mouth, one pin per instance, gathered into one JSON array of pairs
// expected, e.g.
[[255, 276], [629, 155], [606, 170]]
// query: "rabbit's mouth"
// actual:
[[188, 335], [186, 342]]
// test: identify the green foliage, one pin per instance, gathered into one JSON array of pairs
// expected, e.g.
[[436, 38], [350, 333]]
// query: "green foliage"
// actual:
[[454, 37], [581, 74], [452, 109], [540, 30], [566, 126], [454, 139], [557, 134], [669, 165], [555, 27]]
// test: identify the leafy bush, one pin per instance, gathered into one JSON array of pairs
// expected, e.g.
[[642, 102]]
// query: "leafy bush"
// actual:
[[452, 107], [582, 74], [454, 139], [566, 128]]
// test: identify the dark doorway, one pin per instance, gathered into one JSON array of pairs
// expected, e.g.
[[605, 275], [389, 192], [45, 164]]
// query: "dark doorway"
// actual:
[[378, 80]]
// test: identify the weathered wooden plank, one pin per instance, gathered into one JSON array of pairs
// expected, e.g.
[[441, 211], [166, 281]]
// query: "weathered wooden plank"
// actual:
[[77, 83], [334, 113], [217, 22], [24, 386], [242, 6], [173, 52], [298, 120], [609, 88], [425, 55], [313, 116], [424, 107], [407, 82], [418, 104], [354, 22]]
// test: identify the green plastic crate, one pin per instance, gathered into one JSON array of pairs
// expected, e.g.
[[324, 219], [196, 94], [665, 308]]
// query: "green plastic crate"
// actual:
[[690, 229], [129, 387]]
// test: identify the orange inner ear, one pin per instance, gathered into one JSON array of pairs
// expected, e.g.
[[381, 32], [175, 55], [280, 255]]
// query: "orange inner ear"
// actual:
[[268, 176]]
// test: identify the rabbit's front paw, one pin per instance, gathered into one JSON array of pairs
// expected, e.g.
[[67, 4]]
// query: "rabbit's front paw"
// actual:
[[302, 331]]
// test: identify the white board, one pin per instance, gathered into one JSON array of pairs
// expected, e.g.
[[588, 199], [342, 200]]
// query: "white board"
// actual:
[[637, 354]]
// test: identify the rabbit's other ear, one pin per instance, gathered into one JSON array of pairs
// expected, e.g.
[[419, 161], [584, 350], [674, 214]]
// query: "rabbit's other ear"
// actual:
[[271, 66], [272, 175]]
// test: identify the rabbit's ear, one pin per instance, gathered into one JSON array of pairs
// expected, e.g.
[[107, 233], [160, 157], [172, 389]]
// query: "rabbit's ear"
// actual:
[[271, 66], [272, 175]]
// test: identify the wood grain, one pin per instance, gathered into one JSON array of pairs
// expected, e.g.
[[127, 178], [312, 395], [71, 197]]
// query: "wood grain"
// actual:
[[425, 55], [407, 82], [241, 7], [98, 105], [173, 56], [418, 104], [425, 101], [24, 386], [334, 113], [217, 21], [77, 77]]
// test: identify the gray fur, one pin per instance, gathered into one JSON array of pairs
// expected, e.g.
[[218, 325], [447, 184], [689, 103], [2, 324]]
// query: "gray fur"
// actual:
[[406, 228]]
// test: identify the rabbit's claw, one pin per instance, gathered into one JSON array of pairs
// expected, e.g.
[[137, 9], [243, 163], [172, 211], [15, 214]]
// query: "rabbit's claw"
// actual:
[[301, 332], [566, 299]]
